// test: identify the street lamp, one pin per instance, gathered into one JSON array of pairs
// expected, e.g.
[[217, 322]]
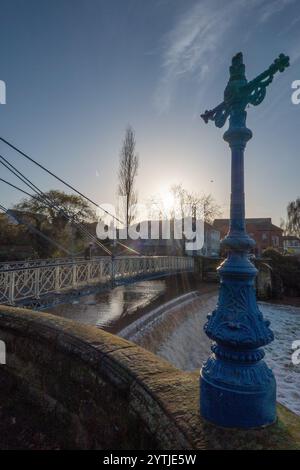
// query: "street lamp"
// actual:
[[237, 389]]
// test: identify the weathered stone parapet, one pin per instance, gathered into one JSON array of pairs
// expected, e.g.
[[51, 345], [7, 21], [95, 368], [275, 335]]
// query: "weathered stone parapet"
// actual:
[[99, 391], [104, 391]]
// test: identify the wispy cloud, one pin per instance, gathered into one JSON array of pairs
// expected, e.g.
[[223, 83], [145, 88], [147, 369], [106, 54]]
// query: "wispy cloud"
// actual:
[[192, 48], [272, 8]]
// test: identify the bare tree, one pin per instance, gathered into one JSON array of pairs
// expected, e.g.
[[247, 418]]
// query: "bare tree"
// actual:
[[155, 208], [292, 225], [127, 173], [210, 209], [194, 205], [188, 204], [284, 226], [180, 200]]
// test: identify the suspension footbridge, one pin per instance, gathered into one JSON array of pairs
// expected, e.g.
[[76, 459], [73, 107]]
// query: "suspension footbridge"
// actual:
[[31, 282]]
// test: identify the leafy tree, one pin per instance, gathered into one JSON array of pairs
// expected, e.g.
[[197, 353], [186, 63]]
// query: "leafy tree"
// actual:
[[285, 267], [71, 204], [53, 223], [11, 232]]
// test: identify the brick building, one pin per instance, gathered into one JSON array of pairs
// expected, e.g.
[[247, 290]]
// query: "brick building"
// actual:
[[262, 230]]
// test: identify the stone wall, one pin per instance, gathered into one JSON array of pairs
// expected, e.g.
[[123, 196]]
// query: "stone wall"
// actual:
[[263, 280], [206, 268], [98, 391]]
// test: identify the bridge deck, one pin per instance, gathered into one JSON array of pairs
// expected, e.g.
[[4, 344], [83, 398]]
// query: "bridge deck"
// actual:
[[19, 284]]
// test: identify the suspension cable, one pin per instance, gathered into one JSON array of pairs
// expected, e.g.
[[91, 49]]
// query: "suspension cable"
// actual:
[[20, 189], [69, 186], [58, 178], [35, 230], [41, 196], [44, 199]]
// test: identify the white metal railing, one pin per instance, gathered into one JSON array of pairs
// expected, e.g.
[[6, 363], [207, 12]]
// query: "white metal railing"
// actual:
[[18, 284], [4, 265]]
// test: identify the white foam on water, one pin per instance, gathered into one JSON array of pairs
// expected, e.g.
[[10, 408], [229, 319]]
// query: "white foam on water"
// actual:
[[137, 330], [185, 345], [285, 323]]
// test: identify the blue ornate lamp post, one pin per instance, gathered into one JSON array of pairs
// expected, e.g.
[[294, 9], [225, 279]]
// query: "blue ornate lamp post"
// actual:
[[237, 389]]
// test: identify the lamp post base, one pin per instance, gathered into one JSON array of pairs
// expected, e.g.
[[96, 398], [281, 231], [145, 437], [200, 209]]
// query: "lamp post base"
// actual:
[[237, 406]]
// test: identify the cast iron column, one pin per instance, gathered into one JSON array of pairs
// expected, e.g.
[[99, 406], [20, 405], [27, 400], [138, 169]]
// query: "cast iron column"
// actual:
[[237, 389]]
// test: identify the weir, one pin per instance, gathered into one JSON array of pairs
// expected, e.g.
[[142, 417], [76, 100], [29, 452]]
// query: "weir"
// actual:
[[174, 332]]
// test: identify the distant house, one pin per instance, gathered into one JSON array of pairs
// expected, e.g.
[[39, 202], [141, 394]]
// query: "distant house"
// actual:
[[159, 244], [291, 245], [212, 238], [262, 230], [156, 244], [211, 245]]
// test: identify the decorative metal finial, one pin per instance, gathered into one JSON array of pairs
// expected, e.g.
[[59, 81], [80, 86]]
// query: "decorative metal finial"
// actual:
[[240, 90], [237, 68]]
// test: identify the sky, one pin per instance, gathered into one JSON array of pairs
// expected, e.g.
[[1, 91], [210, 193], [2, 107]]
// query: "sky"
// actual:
[[77, 72]]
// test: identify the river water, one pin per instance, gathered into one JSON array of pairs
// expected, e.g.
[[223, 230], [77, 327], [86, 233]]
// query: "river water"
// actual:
[[176, 334], [114, 309], [166, 316]]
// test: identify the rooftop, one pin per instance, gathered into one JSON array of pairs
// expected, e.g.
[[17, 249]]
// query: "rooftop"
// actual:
[[263, 223]]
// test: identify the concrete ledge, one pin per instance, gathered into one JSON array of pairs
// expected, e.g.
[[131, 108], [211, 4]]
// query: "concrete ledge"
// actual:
[[139, 327], [100, 391]]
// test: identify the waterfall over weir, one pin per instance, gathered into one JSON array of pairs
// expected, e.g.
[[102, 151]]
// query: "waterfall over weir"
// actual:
[[174, 331], [157, 330]]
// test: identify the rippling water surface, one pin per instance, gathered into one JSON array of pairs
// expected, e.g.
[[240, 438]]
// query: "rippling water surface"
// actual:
[[176, 333], [113, 309], [178, 337], [108, 309]]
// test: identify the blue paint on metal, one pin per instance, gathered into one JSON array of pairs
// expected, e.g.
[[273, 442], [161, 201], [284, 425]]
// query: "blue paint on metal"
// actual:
[[237, 389]]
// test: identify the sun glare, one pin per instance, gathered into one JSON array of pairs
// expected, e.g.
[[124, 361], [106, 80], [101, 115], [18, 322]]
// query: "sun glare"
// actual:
[[167, 200]]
